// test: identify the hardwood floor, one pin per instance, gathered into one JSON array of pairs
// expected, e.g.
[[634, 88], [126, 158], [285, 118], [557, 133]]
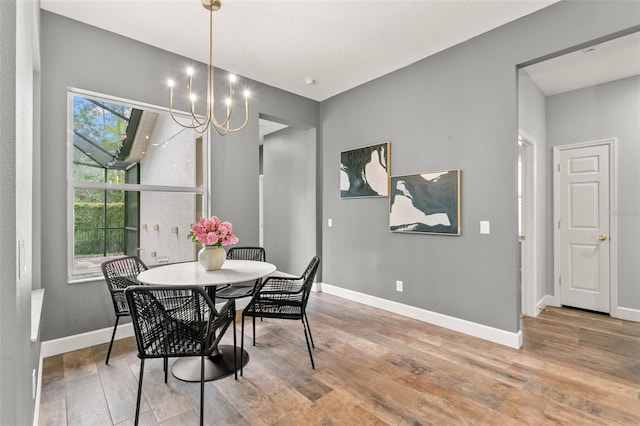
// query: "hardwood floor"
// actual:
[[374, 368]]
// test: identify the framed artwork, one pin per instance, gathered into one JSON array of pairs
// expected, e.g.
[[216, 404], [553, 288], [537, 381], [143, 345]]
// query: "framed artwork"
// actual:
[[364, 172], [426, 203]]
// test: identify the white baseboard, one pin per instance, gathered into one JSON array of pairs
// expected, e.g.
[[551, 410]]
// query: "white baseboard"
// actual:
[[510, 339], [502, 337], [547, 300], [96, 337], [629, 314], [83, 340]]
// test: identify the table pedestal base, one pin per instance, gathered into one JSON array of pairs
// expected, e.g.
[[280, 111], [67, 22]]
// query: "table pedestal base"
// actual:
[[215, 367]]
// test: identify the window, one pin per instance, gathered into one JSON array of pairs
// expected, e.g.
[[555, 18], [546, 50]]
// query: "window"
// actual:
[[137, 181]]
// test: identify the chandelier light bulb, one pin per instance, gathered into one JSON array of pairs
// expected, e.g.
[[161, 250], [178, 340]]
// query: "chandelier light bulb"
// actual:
[[227, 101], [247, 94], [189, 71], [170, 83], [192, 98], [233, 78]]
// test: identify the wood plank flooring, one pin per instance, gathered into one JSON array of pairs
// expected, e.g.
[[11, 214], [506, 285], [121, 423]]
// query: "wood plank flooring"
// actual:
[[373, 368]]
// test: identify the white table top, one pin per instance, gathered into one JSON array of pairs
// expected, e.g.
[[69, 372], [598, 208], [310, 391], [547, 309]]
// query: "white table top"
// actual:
[[192, 273]]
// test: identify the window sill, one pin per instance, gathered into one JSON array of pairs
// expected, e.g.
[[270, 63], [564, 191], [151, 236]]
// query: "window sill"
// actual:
[[72, 280]]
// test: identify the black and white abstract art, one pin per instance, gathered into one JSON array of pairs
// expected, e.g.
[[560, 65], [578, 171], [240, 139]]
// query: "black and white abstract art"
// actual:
[[364, 172], [426, 203]]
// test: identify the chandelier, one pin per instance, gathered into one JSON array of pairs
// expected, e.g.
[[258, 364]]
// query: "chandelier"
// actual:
[[201, 123]]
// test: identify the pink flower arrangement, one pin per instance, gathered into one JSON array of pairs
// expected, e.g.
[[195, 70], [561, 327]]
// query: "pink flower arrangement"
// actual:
[[212, 232]]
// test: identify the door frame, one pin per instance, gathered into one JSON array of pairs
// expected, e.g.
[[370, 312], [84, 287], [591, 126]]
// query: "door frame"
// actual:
[[613, 220], [529, 268]]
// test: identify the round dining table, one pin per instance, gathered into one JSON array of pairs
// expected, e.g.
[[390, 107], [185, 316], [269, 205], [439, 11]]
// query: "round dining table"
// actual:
[[221, 363]]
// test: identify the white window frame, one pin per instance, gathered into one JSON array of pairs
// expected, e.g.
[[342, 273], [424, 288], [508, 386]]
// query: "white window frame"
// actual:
[[72, 185]]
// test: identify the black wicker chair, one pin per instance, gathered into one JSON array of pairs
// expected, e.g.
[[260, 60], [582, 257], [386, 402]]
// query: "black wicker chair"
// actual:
[[284, 298], [247, 288], [164, 328], [119, 274]]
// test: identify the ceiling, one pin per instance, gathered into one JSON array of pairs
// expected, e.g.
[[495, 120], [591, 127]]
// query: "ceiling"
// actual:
[[340, 44], [282, 43], [600, 63]]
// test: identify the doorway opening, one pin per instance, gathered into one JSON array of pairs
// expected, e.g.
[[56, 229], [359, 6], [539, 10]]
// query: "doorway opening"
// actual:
[[287, 194], [526, 225]]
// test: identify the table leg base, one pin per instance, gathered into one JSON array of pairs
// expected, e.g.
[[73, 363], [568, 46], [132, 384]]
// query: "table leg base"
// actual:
[[215, 367]]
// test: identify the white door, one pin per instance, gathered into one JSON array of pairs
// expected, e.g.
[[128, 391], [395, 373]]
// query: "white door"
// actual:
[[582, 224]]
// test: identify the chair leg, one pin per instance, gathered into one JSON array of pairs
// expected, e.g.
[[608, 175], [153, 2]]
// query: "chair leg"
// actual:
[[235, 351], [309, 328], [242, 345], [113, 335], [166, 368], [308, 346], [254, 330], [201, 390], [139, 391]]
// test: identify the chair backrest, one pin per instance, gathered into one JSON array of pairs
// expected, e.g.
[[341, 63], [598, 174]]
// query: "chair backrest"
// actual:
[[119, 274], [308, 276], [173, 320], [247, 253]]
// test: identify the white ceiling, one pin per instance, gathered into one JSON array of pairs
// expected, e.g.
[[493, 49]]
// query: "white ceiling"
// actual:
[[600, 63], [339, 44]]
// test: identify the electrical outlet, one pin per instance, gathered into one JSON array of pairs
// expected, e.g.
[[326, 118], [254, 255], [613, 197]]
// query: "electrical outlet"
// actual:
[[399, 286]]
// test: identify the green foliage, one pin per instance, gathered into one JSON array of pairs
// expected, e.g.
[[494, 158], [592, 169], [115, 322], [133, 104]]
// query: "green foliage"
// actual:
[[103, 122], [91, 237], [91, 214]]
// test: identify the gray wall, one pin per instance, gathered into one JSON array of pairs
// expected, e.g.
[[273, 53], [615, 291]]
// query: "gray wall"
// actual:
[[610, 110], [532, 120], [289, 198], [18, 65], [81, 56], [9, 357], [455, 109]]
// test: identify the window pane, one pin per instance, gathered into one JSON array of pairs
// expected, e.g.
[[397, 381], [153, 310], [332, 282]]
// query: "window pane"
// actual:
[[165, 221], [114, 138], [170, 157], [98, 228], [109, 224]]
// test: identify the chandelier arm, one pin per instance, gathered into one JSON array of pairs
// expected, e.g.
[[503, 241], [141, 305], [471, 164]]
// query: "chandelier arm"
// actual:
[[220, 130], [227, 129], [225, 123], [192, 108]]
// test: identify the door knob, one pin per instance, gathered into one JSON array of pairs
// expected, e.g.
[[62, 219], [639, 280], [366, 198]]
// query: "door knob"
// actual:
[[601, 237]]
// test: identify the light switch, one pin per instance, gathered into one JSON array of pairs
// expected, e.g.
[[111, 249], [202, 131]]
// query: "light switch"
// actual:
[[329, 223], [485, 227]]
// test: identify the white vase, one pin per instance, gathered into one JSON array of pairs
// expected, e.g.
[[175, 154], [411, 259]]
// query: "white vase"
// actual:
[[212, 258]]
